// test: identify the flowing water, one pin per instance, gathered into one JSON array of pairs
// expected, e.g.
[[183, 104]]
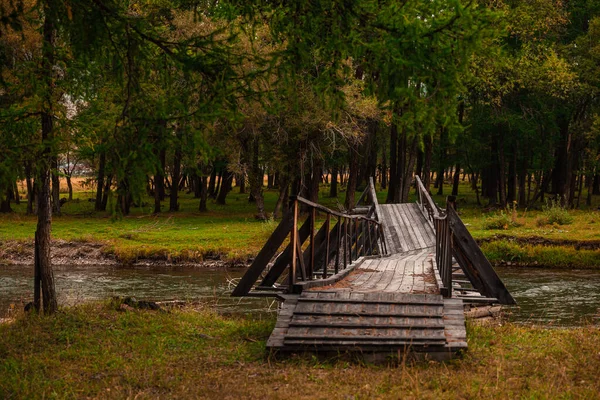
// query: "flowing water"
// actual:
[[548, 297], [553, 297], [76, 284]]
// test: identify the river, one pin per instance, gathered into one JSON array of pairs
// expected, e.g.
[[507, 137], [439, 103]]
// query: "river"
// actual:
[[546, 297]]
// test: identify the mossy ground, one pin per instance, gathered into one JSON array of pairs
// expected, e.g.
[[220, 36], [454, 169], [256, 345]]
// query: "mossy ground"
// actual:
[[95, 351]]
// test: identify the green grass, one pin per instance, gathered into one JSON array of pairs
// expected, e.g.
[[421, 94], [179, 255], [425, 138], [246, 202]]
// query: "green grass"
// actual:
[[232, 233], [94, 351]]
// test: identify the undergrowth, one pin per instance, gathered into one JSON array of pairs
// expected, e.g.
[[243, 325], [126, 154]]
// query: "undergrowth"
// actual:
[[554, 213]]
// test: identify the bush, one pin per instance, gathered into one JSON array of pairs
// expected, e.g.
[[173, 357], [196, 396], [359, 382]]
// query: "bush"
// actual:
[[554, 213], [504, 219]]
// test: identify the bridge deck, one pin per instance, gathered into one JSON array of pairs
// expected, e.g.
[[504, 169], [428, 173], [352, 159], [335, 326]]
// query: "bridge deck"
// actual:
[[405, 228], [385, 304]]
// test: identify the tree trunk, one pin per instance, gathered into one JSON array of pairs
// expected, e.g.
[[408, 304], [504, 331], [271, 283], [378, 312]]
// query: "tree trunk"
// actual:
[[393, 183], [426, 175], [384, 166], [282, 200], [203, 194], [596, 185], [352, 179], [30, 188], [17, 195], [227, 180], [44, 290], [107, 186], [176, 176], [70, 186], [100, 180], [55, 187], [522, 180], [219, 181], [5, 202], [456, 180], [213, 182], [511, 194], [442, 161], [409, 169], [256, 181], [333, 189]]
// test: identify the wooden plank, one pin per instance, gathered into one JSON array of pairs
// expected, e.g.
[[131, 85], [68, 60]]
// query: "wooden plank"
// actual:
[[418, 224], [401, 228], [264, 256], [395, 246], [425, 229], [284, 258], [411, 225], [474, 263], [337, 321]]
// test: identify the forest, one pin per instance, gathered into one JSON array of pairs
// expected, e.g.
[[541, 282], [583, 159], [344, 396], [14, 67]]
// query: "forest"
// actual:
[[157, 97]]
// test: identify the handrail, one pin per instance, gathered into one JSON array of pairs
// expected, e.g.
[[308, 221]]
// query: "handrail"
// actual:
[[329, 211], [453, 239], [443, 236], [428, 205], [330, 250]]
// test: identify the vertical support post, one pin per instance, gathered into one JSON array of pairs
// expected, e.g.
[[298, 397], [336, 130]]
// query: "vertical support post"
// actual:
[[346, 221], [311, 263], [340, 224], [293, 240], [327, 226]]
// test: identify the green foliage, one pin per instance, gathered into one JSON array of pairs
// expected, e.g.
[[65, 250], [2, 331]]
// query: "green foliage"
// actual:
[[554, 213], [502, 219]]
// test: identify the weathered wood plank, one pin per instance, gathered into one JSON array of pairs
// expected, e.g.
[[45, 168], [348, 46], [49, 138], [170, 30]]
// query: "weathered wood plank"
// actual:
[[264, 256], [475, 264]]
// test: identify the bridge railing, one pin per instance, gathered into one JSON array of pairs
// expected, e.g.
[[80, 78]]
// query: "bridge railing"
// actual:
[[454, 240], [322, 244], [443, 236]]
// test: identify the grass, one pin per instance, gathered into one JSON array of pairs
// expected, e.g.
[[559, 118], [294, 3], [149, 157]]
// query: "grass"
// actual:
[[232, 233], [94, 351]]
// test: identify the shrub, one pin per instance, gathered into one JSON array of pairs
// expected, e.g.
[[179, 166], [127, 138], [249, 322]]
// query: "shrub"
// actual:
[[504, 219], [554, 213]]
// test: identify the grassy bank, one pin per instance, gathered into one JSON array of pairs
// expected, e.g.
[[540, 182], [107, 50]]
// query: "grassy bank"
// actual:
[[230, 232], [94, 351]]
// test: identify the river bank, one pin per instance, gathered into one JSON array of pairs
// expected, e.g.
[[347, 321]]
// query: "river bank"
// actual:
[[102, 351], [501, 250]]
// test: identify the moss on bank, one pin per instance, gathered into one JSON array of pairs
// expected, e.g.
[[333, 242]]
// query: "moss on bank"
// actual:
[[94, 351]]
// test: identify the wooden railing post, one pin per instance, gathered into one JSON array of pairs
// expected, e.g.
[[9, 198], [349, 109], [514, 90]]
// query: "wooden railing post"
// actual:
[[293, 241], [311, 263], [327, 228], [339, 244]]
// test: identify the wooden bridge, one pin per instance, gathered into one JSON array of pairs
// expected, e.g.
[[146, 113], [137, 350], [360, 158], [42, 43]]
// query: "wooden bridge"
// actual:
[[381, 279]]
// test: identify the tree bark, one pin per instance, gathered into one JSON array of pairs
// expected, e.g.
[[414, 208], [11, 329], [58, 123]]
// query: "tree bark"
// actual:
[[17, 195], [203, 194], [107, 185], [352, 178], [426, 175], [70, 186], [333, 189], [175, 176], [256, 181], [393, 183], [5, 202], [44, 290], [55, 186], [227, 180], [30, 188], [456, 180]]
